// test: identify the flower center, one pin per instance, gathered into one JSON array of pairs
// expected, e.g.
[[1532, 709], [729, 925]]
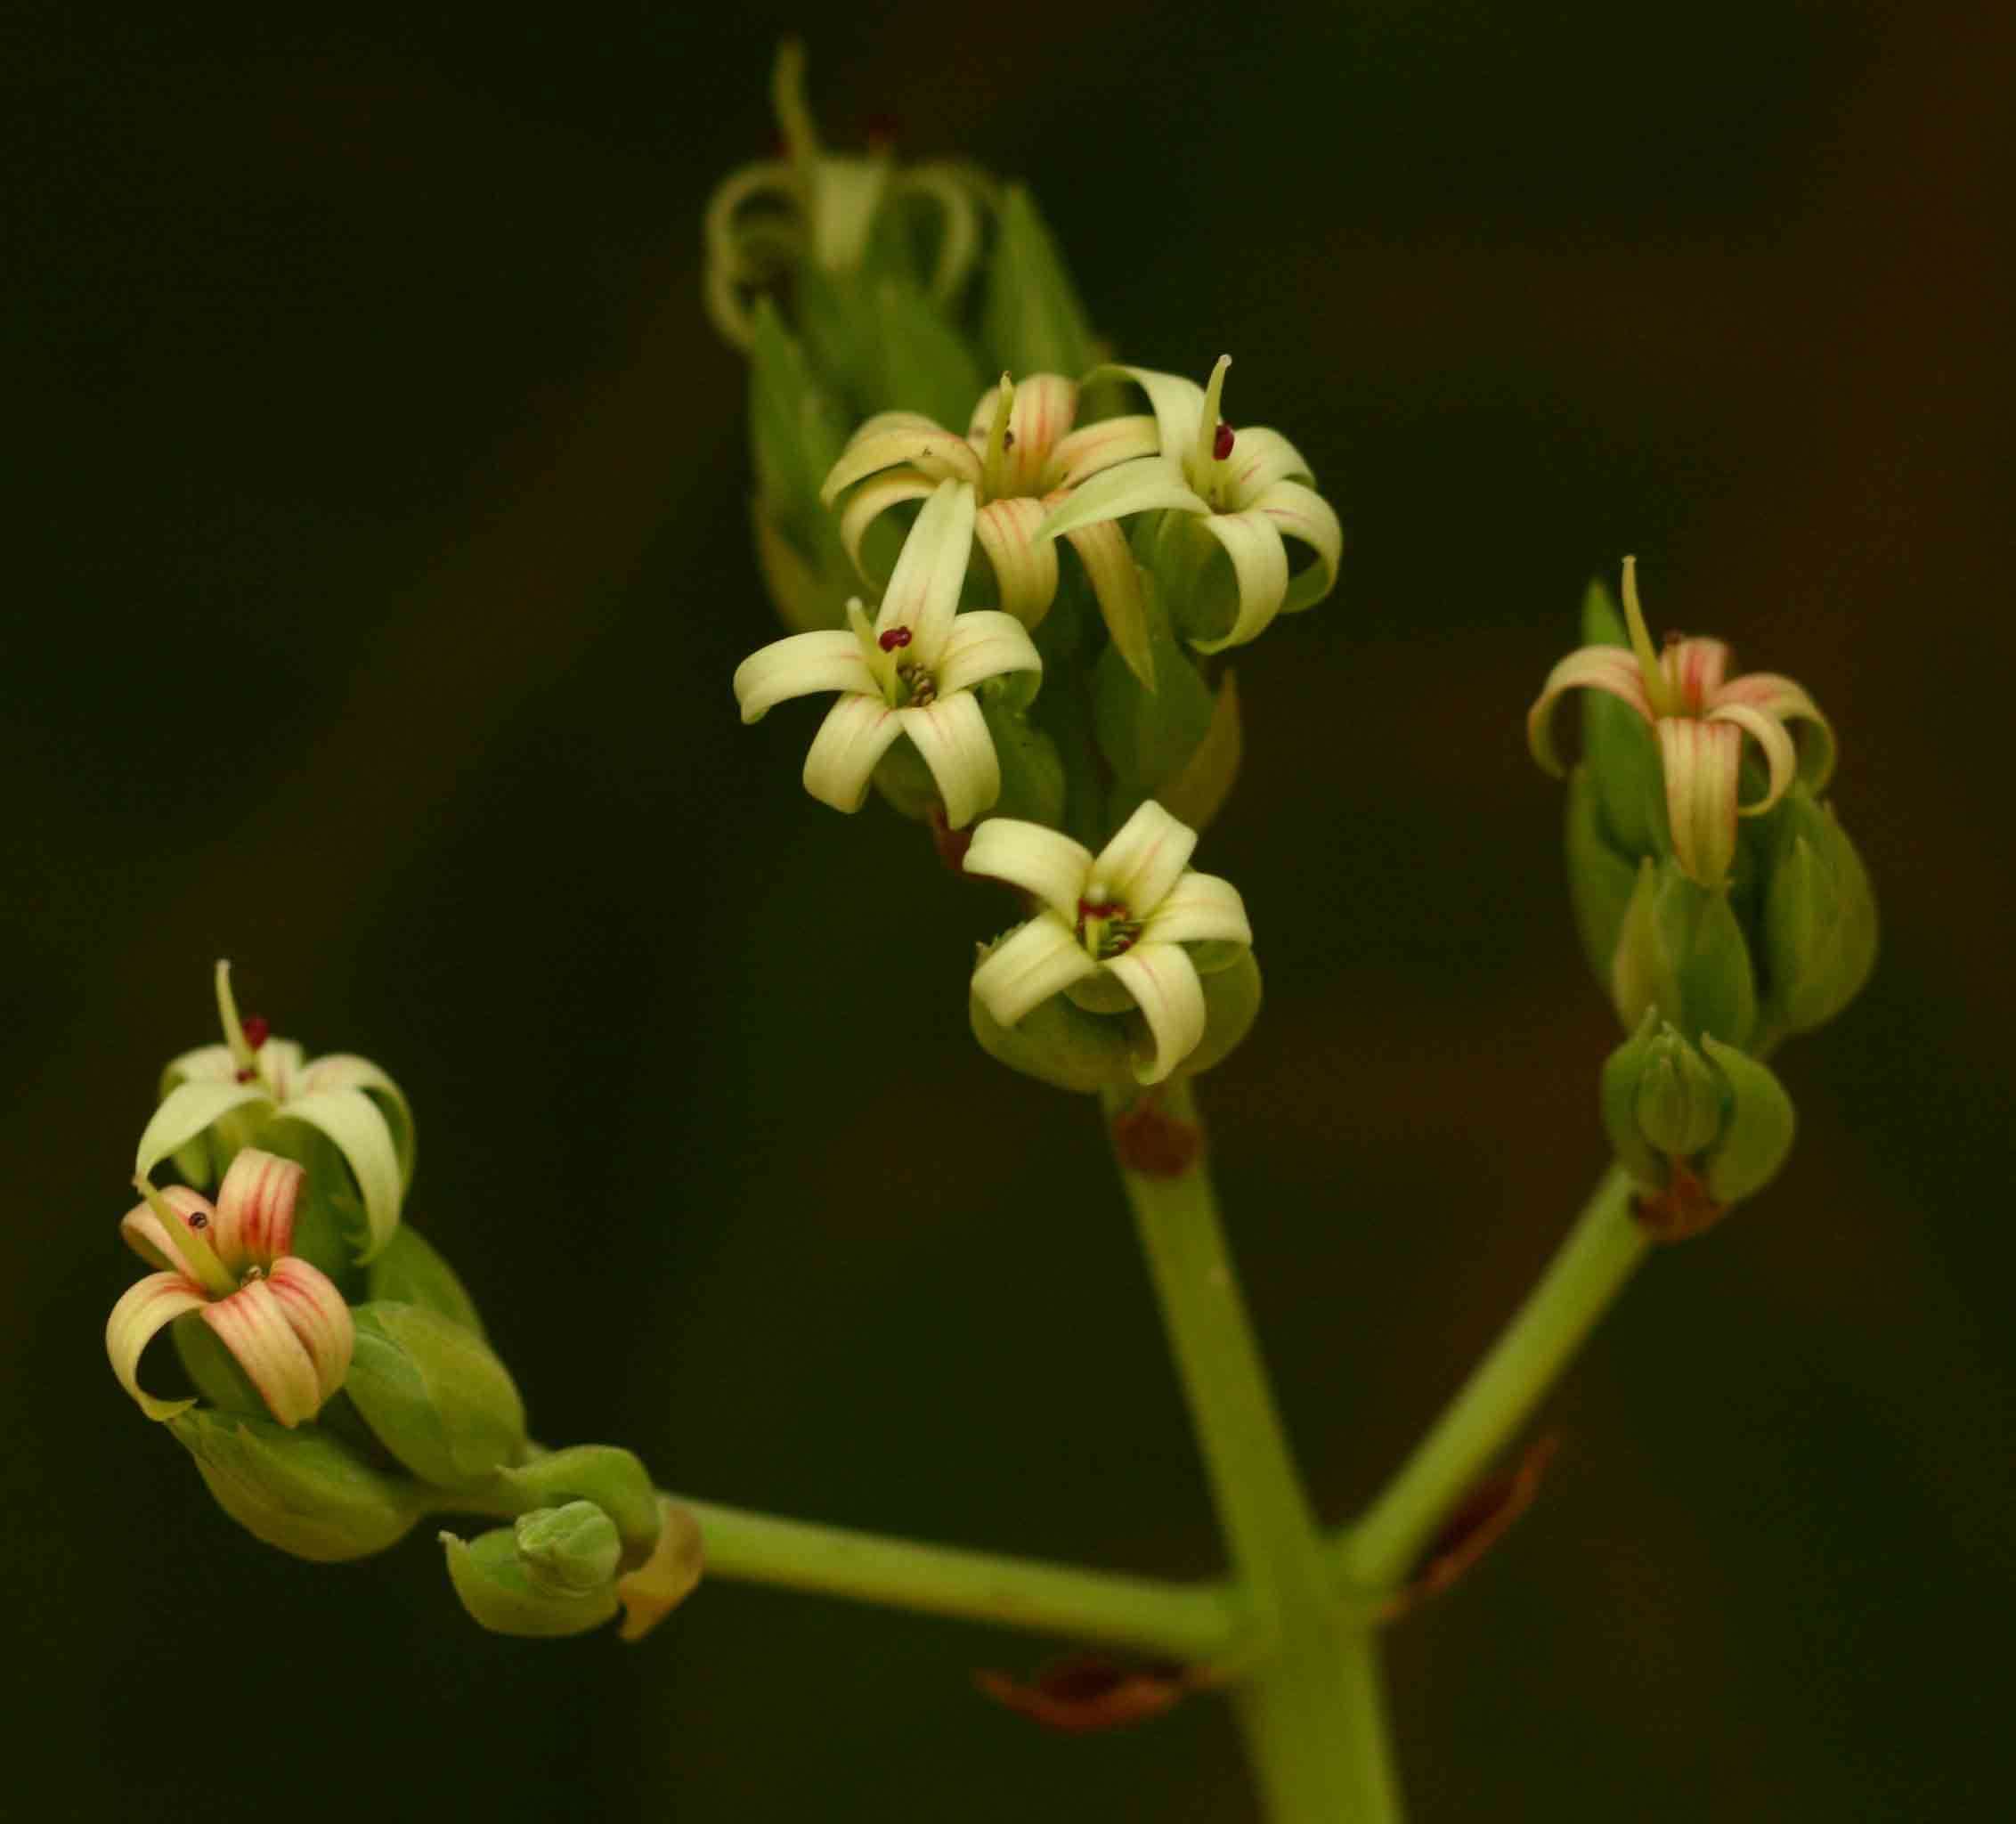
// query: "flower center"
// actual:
[[922, 687], [1105, 926]]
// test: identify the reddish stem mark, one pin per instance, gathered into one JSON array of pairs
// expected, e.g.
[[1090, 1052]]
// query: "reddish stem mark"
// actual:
[[1149, 1140]]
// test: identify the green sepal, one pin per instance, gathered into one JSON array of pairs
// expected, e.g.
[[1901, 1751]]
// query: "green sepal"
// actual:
[[1600, 879], [413, 1271], [1757, 1131], [1060, 1044], [1819, 919], [614, 1480], [212, 1368], [299, 1490], [1032, 321], [1146, 739], [434, 1395], [1032, 772], [499, 1590], [922, 361], [1192, 571], [1617, 1090], [796, 433], [1680, 950], [1232, 1004], [1195, 792], [903, 778]]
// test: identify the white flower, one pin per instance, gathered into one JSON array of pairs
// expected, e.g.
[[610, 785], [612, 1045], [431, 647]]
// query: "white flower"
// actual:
[[1248, 489], [1127, 913], [912, 672]]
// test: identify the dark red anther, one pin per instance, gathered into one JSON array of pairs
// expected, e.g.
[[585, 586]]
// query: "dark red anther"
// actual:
[[894, 639], [247, 1075], [255, 1031], [198, 1220], [1222, 442], [1105, 908], [1007, 440]]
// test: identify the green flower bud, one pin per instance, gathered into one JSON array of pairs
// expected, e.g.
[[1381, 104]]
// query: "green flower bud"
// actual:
[[613, 1480], [1757, 1127], [503, 1593], [297, 1489], [434, 1395], [1678, 1104], [1681, 950], [1600, 878], [1147, 738], [1819, 918], [1033, 322], [568, 1551], [1058, 1043], [411, 1271]]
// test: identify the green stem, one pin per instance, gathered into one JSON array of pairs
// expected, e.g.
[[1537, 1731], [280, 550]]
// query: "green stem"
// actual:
[[1310, 1708], [1191, 1622], [1381, 1547]]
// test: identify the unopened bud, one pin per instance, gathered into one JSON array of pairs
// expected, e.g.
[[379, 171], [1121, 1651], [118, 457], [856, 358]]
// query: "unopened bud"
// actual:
[[614, 1480], [413, 1271], [1678, 1104], [434, 1394], [568, 1549], [297, 1489], [1819, 917], [1680, 950], [503, 1592]]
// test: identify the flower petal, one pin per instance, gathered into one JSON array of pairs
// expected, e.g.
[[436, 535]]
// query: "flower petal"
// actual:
[[1199, 908], [891, 439], [1025, 566], [1259, 459], [1259, 564], [252, 1325], [363, 1136], [141, 1230], [1131, 487], [1304, 515], [952, 190], [1178, 404], [1610, 668], [1702, 761], [1144, 860], [1116, 584], [186, 1111], [1045, 863], [144, 1308], [343, 1069], [1094, 448], [1044, 406], [1779, 697], [255, 1215], [869, 502], [1163, 981], [319, 1318], [854, 737], [951, 734], [923, 590], [207, 1063], [1780, 755], [1694, 669], [1030, 965], [983, 644], [798, 666]]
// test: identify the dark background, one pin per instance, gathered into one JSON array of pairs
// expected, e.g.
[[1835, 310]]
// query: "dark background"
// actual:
[[377, 565]]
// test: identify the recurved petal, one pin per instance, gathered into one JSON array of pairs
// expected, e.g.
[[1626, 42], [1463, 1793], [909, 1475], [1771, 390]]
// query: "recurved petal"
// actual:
[[254, 1215], [1094, 448], [855, 735], [951, 734], [319, 1318], [1163, 981], [1779, 756], [343, 1069], [1178, 404], [983, 644], [1116, 584], [363, 1136], [141, 1230], [143, 1309], [1144, 860], [891, 439], [1045, 863], [1259, 565], [1259, 459], [1199, 908], [1304, 515], [1702, 761], [869, 502], [1025, 566], [253, 1325], [1130, 487], [1030, 965], [187, 1110], [1610, 668], [1044, 406], [798, 666], [207, 1063], [1779, 697], [923, 590], [1695, 669]]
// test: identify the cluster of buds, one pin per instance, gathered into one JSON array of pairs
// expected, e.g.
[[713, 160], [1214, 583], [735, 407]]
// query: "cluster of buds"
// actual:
[[1720, 903], [1017, 592], [343, 1385]]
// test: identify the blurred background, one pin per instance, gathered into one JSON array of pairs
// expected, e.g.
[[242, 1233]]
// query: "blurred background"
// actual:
[[377, 539]]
